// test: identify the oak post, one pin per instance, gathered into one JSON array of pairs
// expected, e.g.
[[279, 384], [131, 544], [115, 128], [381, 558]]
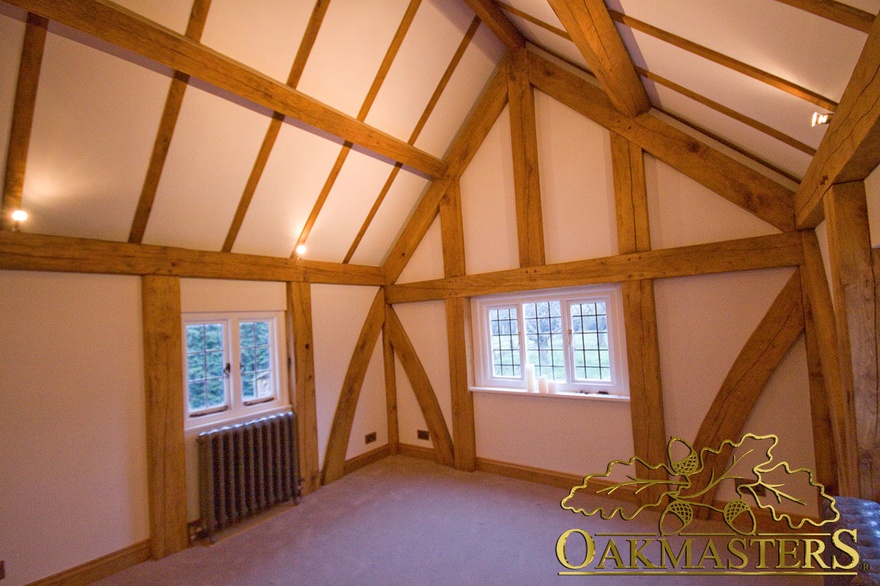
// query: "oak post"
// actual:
[[163, 370], [299, 328]]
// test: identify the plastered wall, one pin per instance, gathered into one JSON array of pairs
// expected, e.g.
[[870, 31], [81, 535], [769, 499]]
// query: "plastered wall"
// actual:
[[72, 431], [703, 321]]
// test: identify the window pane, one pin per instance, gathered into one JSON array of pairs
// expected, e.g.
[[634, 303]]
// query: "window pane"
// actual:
[[544, 341], [256, 360], [205, 364], [505, 342], [589, 326]]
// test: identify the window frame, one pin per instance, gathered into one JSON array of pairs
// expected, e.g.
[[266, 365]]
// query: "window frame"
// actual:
[[484, 377], [237, 407]]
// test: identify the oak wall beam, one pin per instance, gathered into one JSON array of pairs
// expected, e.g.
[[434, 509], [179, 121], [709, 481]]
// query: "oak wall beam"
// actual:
[[163, 383], [526, 176], [640, 314], [422, 388], [340, 430], [303, 394], [840, 394], [763, 352], [760, 252], [33, 252], [855, 305]]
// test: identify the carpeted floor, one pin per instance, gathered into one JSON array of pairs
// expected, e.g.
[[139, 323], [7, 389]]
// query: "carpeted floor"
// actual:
[[407, 521]]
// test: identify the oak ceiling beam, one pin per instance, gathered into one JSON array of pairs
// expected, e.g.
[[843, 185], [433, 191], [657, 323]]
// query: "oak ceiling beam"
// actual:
[[778, 250], [463, 149], [594, 34], [167, 123], [23, 115], [489, 12], [420, 125], [729, 112], [33, 252], [125, 29], [721, 59], [850, 149], [836, 11], [727, 177], [378, 80], [296, 71]]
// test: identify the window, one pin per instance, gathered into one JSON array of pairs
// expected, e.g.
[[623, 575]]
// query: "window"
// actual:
[[573, 338], [231, 365]]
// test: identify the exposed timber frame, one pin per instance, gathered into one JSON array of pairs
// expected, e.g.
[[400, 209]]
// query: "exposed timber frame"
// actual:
[[125, 29], [640, 314]]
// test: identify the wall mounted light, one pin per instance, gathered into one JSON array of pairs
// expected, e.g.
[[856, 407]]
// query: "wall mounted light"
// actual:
[[820, 119]]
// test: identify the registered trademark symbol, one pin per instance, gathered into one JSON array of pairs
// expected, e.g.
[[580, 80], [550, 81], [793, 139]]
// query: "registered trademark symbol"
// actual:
[[866, 567]]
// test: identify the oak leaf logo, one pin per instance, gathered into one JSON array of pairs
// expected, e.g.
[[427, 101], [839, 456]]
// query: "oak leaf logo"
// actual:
[[688, 476]]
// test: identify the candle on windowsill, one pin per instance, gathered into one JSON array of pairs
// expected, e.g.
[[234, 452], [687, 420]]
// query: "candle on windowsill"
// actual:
[[530, 378]]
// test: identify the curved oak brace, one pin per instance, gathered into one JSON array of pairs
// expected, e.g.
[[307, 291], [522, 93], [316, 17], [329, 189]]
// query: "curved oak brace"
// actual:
[[748, 376], [422, 388], [340, 432]]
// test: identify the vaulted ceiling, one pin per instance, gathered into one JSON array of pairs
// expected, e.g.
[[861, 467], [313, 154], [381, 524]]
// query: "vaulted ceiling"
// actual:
[[323, 123]]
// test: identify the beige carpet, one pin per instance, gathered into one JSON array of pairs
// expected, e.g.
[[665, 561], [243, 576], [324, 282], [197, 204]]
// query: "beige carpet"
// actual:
[[407, 521]]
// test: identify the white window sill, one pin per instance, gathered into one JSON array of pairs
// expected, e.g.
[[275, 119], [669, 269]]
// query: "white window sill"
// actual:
[[591, 395], [196, 427]]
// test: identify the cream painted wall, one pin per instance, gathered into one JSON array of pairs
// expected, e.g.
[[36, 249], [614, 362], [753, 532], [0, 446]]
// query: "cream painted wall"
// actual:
[[425, 324], [872, 192], [703, 321], [338, 313], [72, 428], [214, 295]]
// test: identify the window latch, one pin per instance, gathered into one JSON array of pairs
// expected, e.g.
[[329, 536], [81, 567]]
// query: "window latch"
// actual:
[[227, 370]]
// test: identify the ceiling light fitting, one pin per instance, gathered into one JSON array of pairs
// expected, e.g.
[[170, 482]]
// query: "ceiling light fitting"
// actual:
[[820, 119], [300, 249]]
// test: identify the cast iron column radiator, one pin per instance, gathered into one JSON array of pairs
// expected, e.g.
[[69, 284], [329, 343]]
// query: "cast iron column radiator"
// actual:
[[245, 469]]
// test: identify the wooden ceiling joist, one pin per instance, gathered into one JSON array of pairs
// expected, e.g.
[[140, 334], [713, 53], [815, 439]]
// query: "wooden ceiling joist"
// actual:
[[731, 145], [390, 54], [729, 112], [23, 115], [721, 59], [463, 149], [837, 11], [432, 103], [489, 12], [33, 252], [761, 252], [125, 29], [727, 177], [296, 71], [167, 122], [850, 149], [594, 34]]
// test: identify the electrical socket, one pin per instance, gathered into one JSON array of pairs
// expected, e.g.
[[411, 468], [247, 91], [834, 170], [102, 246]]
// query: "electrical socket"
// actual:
[[370, 437], [423, 434]]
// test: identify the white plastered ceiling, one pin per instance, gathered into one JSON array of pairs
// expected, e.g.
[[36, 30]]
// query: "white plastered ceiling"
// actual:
[[98, 109]]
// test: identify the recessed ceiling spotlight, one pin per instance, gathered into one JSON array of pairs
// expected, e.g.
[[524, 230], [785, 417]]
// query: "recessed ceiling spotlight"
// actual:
[[820, 119], [300, 249], [19, 215]]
